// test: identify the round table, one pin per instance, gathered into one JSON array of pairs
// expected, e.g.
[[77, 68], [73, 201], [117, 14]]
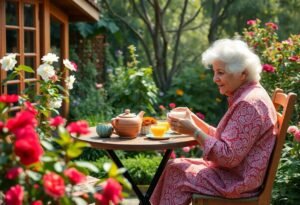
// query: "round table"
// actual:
[[140, 143]]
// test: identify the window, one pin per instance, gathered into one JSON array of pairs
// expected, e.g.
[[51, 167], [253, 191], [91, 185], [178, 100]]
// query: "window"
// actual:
[[21, 36]]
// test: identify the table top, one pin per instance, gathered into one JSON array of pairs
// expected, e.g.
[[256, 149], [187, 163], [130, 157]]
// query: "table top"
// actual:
[[140, 143]]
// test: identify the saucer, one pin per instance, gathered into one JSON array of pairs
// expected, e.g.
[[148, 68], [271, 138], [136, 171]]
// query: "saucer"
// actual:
[[164, 137]]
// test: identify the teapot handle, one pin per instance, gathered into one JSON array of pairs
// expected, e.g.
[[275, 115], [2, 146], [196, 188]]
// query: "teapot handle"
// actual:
[[113, 122]]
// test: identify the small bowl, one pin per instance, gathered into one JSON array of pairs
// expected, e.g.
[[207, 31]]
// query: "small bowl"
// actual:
[[104, 130]]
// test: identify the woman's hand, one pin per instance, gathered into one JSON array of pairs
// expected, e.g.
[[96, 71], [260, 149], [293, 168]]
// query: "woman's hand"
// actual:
[[183, 125]]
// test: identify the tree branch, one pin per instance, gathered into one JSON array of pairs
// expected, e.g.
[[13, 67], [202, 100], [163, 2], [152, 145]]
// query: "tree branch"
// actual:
[[192, 18], [166, 6], [133, 30]]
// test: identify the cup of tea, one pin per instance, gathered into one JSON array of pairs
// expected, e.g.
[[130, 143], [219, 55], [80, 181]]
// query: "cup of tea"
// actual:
[[165, 124], [177, 113], [158, 130]]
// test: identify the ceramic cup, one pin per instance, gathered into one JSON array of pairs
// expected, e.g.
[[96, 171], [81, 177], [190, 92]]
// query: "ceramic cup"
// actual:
[[177, 114], [104, 130]]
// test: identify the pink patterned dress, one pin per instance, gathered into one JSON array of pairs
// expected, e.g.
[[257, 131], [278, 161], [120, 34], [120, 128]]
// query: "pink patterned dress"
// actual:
[[235, 156]]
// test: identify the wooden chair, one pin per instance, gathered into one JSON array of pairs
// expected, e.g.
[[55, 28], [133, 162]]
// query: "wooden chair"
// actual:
[[284, 105]]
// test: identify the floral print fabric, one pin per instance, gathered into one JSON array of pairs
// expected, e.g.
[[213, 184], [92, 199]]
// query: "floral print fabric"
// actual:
[[235, 155]]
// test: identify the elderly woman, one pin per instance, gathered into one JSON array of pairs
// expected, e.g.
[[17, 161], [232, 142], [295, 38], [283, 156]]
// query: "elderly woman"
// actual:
[[236, 153]]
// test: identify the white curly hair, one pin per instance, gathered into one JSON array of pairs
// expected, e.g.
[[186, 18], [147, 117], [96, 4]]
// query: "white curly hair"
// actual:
[[236, 55]]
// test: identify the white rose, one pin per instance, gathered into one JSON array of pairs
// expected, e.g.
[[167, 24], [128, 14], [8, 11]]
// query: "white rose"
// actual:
[[55, 103], [70, 81], [69, 65], [50, 58], [8, 62], [46, 71]]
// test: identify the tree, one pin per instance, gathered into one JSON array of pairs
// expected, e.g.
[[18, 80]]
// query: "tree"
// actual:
[[161, 38]]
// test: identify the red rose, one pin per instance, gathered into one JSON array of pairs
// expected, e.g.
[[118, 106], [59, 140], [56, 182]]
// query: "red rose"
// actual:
[[9, 98], [294, 58], [74, 175], [56, 121], [29, 150], [13, 172], [30, 108], [272, 26], [14, 196], [21, 119], [27, 132], [79, 127], [268, 68], [54, 185], [39, 202], [112, 193]]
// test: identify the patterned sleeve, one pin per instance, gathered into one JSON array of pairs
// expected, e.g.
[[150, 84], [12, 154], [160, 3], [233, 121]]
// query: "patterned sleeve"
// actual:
[[239, 135]]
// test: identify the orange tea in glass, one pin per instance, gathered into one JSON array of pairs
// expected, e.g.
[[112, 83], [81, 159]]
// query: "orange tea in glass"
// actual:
[[165, 124], [158, 130]]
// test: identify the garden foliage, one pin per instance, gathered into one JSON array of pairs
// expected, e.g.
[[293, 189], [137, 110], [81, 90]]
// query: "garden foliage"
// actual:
[[131, 86], [37, 165], [281, 69]]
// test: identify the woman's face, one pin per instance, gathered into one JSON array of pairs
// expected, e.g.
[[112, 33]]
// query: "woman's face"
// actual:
[[227, 82]]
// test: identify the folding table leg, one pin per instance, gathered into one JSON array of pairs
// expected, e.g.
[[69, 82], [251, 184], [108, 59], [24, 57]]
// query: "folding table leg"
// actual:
[[158, 173]]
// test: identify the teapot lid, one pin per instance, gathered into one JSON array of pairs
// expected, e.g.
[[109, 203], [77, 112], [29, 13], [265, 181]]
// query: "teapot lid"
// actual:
[[127, 114]]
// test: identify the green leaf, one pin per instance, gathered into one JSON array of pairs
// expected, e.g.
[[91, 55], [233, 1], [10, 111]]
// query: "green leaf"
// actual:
[[59, 167], [34, 175], [73, 151], [79, 201], [47, 145], [24, 68], [87, 165]]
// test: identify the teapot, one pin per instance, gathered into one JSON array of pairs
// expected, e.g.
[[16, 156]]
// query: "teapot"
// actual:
[[128, 125]]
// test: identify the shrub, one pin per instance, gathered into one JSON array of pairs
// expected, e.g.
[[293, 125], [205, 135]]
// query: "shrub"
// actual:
[[131, 86], [281, 66]]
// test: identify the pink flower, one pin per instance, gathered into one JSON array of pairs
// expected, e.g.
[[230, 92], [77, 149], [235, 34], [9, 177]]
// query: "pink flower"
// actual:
[[9, 98], [251, 22], [74, 175], [13, 172], [200, 115], [173, 155], [297, 136], [111, 194], [54, 185], [80, 127], [294, 58], [14, 196], [56, 121], [39, 202], [172, 105], [162, 107], [29, 150], [292, 129], [268, 68], [75, 66], [271, 25], [186, 149]]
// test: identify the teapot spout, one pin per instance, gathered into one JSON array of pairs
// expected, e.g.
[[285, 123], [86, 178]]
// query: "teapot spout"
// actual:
[[141, 114]]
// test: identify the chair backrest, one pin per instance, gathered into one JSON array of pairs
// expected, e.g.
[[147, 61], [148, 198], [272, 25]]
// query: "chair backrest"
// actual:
[[284, 105]]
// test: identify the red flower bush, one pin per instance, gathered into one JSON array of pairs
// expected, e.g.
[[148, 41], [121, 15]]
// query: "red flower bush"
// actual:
[[14, 196], [111, 194], [29, 150], [79, 128], [74, 175], [13, 172], [57, 121], [9, 98], [54, 185]]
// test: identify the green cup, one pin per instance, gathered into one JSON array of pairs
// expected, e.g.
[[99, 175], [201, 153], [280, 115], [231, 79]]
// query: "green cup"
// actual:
[[104, 130]]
